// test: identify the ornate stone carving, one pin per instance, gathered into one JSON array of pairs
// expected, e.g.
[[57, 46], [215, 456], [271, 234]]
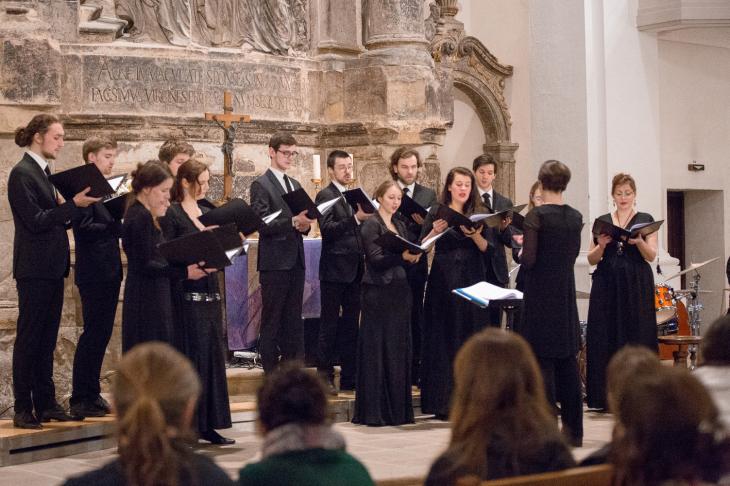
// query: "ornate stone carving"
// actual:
[[271, 26]]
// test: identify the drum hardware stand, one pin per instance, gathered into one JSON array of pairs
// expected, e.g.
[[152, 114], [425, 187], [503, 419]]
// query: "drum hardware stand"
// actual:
[[694, 307]]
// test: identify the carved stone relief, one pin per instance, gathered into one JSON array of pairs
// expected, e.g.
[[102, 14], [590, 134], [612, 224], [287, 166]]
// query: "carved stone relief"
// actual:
[[270, 26]]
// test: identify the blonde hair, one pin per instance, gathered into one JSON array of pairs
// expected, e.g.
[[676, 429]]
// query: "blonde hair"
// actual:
[[152, 390]]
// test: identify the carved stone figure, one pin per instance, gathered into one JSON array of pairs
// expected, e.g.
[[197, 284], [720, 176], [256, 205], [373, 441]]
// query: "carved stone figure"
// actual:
[[157, 20]]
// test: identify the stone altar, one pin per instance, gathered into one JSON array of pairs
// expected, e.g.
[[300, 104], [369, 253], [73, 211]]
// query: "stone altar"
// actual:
[[365, 76]]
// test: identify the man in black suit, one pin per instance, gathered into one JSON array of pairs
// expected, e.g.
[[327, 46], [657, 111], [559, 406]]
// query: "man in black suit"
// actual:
[[340, 272], [98, 276], [280, 258], [495, 259], [40, 264], [404, 165]]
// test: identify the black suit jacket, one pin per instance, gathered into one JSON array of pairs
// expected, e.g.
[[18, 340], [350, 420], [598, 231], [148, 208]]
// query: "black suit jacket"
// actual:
[[495, 256], [97, 234], [342, 253], [40, 245], [381, 265], [281, 247]]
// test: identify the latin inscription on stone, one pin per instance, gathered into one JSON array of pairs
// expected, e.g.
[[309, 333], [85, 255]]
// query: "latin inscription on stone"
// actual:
[[129, 84]]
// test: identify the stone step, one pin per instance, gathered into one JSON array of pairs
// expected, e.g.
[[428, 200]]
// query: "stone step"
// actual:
[[103, 29], [89, 12]]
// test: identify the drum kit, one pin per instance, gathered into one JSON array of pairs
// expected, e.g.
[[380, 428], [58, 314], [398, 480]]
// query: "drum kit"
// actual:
[[672, 315]]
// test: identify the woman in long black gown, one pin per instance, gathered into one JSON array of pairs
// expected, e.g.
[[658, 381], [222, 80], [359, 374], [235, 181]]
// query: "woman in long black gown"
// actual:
[[550, 314], [199, 308], [621, 309], [450, 320], [147, 313], [383, 386]]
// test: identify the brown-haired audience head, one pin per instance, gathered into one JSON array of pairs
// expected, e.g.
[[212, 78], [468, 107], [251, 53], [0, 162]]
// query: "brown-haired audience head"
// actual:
[[461, 173], [43, 135], [154, 393], [291, 394], [175, 152], [404, 165], [535, 198], [665, 430], [715, 346], [554, 176], [621, 179], [628, 362], [511, 398], [101, 151], [192, 177]]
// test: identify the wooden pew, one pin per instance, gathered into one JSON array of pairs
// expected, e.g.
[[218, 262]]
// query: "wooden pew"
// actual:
[[577, 476]]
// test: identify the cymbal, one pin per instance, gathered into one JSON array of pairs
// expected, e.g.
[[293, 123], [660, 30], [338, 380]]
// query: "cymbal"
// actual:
[[693, 266]]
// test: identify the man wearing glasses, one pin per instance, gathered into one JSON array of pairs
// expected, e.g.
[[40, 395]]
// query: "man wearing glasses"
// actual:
[[280, 257]]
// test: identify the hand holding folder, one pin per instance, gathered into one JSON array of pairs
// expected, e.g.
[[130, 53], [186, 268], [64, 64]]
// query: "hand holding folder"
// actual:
[[217, 247], [358, 196], [71, 182], [617, 233], [299, 201], [238, 212], [397, 244]]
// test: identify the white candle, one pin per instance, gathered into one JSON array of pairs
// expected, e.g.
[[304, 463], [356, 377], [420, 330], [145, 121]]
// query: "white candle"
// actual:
[[353, 158], [316, 169]]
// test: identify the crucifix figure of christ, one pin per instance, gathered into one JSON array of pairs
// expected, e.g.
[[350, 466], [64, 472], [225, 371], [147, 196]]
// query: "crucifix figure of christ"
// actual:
[[228, 121]]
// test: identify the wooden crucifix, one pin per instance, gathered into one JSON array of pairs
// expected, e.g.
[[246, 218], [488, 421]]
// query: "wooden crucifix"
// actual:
[[228, 121]]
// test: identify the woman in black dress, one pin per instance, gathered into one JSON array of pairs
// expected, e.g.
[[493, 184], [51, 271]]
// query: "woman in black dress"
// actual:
[[450, 320], [198, 307], [621, 309], [534, 200], [383, 386], [147, 312], [550, 314]]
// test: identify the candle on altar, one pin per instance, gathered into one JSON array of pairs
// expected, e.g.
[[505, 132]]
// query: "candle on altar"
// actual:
[[316, 169]]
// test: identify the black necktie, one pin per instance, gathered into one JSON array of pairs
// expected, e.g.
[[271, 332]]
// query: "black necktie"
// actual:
[[287, 183], [47, 170], [406, 190], [487, 201]]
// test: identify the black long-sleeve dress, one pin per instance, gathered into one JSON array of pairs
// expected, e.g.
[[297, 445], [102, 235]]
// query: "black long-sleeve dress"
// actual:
[[198, 307], [550, 313], [383, 386], [147, 313], [621, 309], [448, 320]]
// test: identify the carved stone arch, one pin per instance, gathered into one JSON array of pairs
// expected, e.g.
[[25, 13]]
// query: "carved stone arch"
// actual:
[[478, 74]]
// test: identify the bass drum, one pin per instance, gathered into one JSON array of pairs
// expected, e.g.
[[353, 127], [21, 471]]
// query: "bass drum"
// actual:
[[681, 323]]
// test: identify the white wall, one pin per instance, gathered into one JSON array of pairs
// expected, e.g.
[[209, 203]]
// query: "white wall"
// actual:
[[466, 139]]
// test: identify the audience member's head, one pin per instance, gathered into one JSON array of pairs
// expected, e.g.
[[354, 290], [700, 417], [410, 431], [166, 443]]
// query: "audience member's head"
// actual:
[[553, 176], [666, 430], [497, 387], [715, 346], [175, 152], [291, 394], [627, 363], [154, 395]]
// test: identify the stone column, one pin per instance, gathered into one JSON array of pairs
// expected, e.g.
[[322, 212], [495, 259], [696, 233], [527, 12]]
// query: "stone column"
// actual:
[[395, 25]]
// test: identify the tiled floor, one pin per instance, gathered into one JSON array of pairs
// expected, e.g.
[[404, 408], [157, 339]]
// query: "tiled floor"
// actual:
[[388, 452]]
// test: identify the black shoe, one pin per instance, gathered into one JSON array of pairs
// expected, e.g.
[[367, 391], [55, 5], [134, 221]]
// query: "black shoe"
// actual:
[[87, 409], [57, 413], [26, 420], [215, 438], [101, 403]]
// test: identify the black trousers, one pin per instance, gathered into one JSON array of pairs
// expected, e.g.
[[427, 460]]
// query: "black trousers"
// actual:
[[98, 307], [39, 315], [562, 384], [417, 275], [281, 336], [338, 335], [494, 310]]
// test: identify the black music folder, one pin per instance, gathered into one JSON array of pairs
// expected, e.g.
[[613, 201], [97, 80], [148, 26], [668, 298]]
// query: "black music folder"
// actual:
[[495, 219], [409, 207], [238, 212], [455, 219], [617, 233], [117, 205], [358, 196], [217, 247], [299, 201], [518, 221], [72, 181], [397, 244]]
